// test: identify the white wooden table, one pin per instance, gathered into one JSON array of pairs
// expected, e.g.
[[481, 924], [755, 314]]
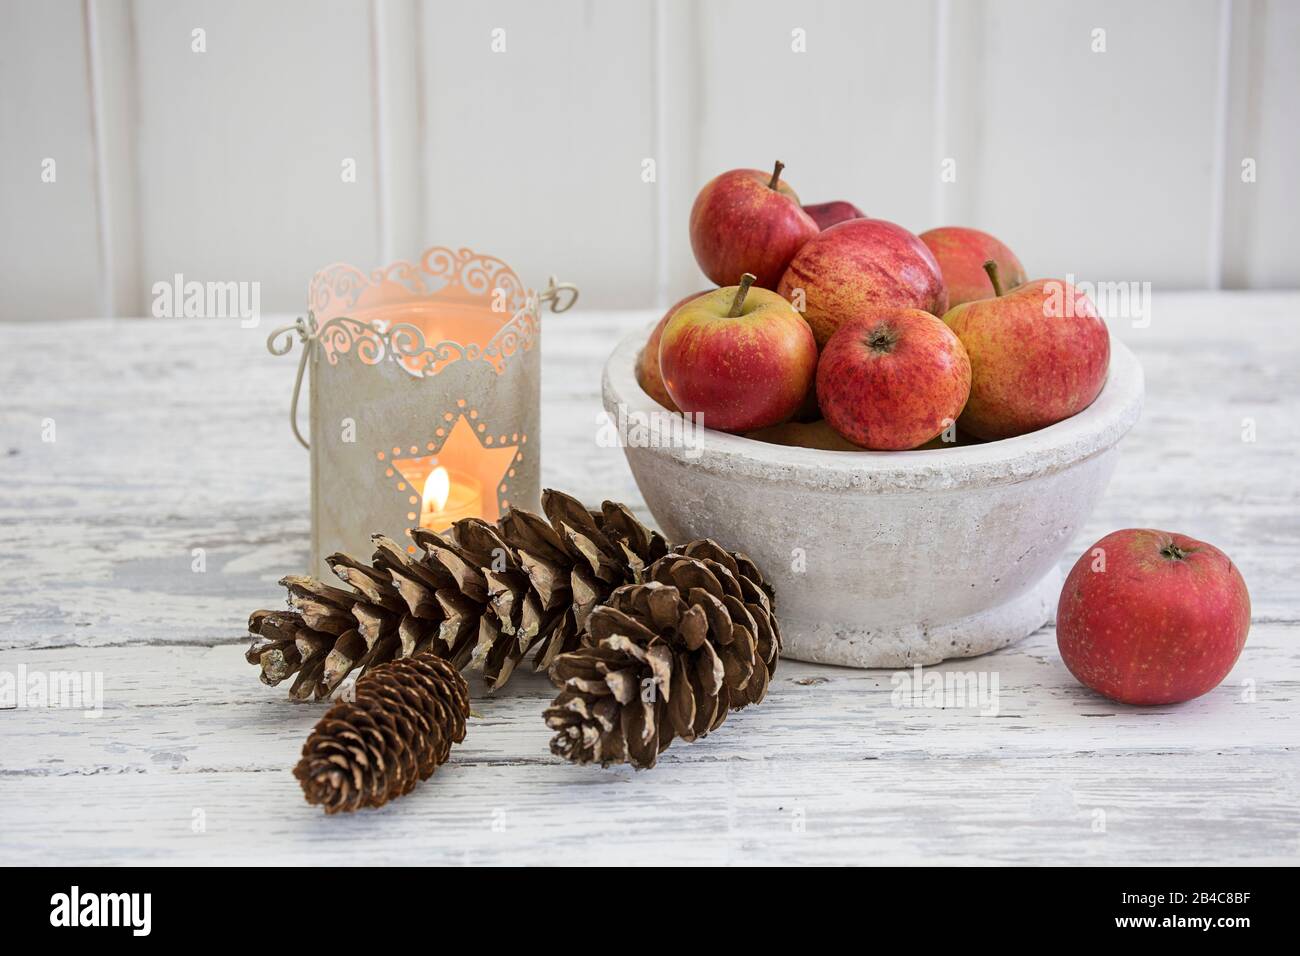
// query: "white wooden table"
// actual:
[[172, 436]]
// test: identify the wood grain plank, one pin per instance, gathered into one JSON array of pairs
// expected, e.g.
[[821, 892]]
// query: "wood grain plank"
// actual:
[[116, 96], [242, 147], [399, 127], [49, 242], [1080, 159], [1262, 216], [1198, 809], [535, 149], [193, 710]]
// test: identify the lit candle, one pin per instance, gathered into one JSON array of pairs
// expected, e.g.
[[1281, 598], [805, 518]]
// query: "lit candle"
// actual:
[[449, 496]]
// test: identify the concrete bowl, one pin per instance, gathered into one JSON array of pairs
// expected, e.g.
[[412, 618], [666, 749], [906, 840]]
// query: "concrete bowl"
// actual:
[[884, 559]]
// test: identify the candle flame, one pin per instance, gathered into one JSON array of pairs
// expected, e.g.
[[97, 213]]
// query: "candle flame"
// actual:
[[436, 489]]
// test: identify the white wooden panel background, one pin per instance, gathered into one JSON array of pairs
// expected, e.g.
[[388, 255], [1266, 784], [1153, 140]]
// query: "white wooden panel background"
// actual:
[[225, 165]]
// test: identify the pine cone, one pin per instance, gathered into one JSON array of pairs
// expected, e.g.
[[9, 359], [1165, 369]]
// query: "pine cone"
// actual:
[[490, 593], [560, 572], [393, 732], [332, 631], [667, 658]]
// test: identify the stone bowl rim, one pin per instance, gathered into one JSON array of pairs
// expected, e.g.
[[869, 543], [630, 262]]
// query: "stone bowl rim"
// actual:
[[1089, 433]]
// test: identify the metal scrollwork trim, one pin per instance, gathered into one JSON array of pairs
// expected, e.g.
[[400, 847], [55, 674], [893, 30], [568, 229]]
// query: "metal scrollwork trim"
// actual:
[[405, 344], [342, 287]]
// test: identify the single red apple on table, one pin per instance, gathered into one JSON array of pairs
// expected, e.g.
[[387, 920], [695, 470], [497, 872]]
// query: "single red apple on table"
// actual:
[[827, 214], [892, 378], [961, 254], [647, 360], [746, 220], [1152, 617], [857, 265], [742, 357], [1038, 355]]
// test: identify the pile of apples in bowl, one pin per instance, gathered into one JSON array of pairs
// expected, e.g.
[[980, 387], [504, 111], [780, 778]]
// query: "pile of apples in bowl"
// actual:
[[901, 430]]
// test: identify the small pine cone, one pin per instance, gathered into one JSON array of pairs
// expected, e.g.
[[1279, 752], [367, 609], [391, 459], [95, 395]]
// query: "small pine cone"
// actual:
[[394, 731], [667, 658]]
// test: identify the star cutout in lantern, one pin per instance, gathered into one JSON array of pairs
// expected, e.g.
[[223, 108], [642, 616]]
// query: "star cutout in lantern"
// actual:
[[464, 454]]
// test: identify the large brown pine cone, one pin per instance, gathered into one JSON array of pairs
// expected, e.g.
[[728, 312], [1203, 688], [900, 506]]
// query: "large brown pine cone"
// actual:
[[487, 592], [667, 658], [543, 577], [392, 732]]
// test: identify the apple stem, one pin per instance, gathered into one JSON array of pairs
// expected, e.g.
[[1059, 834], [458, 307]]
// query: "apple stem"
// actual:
[[741, 291], [991, 268], [776, 175]]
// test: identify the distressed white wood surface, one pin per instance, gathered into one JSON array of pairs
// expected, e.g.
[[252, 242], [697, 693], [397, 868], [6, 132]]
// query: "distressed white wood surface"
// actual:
[[174, 437]]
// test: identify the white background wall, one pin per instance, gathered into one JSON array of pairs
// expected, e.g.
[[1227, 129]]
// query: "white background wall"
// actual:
[[225, 165]]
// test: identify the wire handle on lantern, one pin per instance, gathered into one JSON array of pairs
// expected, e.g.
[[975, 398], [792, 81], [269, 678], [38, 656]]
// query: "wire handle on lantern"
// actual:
[[306, 334], [561, 295]]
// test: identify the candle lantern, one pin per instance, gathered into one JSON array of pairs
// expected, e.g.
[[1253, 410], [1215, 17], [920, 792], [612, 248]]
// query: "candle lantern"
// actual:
[[425, 389]]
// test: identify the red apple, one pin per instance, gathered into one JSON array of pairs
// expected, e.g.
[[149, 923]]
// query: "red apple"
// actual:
[[961, 254], [748, 221], [827, 214], [860, 264], [892, 378], [742, 357], [1038, 355], [1151, 617], [647, 360]]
